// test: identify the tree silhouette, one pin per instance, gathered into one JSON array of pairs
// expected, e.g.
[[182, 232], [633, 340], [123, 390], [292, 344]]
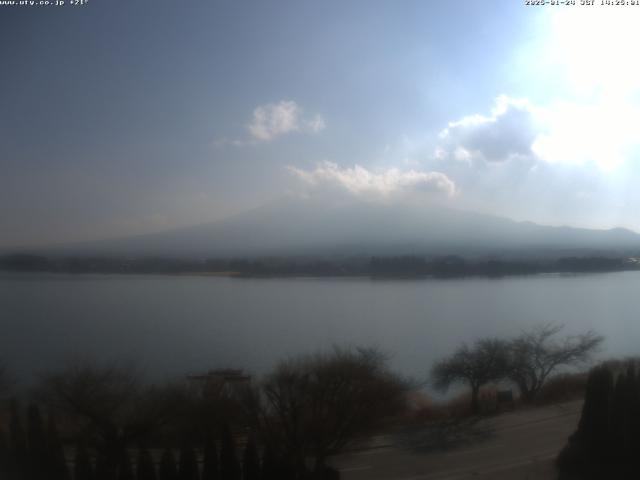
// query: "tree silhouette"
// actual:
[[57, 463], [145, 469], [210, 460], [251, 461], [188, 469], [18, 441], [6, 381], [105, 469], [534, 355], [229, 465], [82, 470], [36, 443], [5, 455], [315, 405], [168, 470], [605, 443], [633, 411], [270, 464], [112, 401], [483, 362], [125, 469]]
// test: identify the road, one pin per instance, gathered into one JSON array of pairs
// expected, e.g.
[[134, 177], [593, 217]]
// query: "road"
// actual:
[[519, 445]]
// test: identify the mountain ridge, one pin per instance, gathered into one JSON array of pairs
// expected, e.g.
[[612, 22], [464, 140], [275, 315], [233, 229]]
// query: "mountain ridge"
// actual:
[[290, 227]]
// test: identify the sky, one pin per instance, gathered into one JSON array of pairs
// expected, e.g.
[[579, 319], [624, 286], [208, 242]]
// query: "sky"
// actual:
[[126, 117]]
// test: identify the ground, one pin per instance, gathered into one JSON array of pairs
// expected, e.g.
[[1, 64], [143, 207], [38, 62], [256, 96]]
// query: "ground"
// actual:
[[521, 444]]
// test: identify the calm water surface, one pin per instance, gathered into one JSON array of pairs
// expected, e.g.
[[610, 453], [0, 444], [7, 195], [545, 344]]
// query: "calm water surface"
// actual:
[[176, 324]]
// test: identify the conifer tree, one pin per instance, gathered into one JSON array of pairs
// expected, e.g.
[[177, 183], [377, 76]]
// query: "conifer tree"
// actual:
[[633, 401], [251, 461], [125, 470], [188, 469], [104, 469], [229, 465], [269, 464], [600, 434], [619, 420], [4, 455], [17, 442], [594, 422], [36, 444], [83, 470], [286, 469], [605, 444], [146, 469], [210, 460], [57, 463], [168, 470]]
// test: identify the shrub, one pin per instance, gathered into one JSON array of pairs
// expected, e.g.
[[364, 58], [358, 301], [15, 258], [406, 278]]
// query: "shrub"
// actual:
[[562, 388]]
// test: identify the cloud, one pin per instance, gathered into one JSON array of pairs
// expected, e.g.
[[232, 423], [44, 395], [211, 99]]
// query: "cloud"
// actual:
[[359, 181], [604, 133], [507, 133], [565, 162], [316, 124], [277, 119]]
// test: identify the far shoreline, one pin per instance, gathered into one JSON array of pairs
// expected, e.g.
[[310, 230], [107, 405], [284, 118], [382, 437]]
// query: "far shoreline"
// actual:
[[309, 276]]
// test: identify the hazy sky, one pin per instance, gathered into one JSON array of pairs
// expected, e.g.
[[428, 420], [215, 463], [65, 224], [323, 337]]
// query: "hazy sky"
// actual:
[[124, 117]]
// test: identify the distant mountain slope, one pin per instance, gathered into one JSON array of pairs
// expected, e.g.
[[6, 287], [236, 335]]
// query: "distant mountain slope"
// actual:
[[305, 227]]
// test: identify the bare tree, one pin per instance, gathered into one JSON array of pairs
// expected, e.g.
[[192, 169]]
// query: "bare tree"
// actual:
[[534, 355], [483, 362], [109, 403], [314, 406]]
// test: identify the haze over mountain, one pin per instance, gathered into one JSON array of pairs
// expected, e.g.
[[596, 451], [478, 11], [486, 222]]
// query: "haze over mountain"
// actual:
[[198, 113], [296, 226]]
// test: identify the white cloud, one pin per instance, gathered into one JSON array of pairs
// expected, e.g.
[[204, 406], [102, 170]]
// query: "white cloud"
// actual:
[[276, 119], [315, 124], [508, 132], [566, 162], [601, 133], [388, 183]]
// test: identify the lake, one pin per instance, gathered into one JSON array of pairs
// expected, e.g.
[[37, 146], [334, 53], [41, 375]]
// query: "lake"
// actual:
[[173, 325]]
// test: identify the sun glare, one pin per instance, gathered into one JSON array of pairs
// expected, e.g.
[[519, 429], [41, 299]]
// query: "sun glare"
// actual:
[[597, 48], [592, 53]]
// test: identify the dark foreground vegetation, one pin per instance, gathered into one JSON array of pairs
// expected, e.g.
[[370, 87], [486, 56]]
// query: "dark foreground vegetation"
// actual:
[[607, 441], [526, 361], [105, 423], [92, 421], [393, 266]]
